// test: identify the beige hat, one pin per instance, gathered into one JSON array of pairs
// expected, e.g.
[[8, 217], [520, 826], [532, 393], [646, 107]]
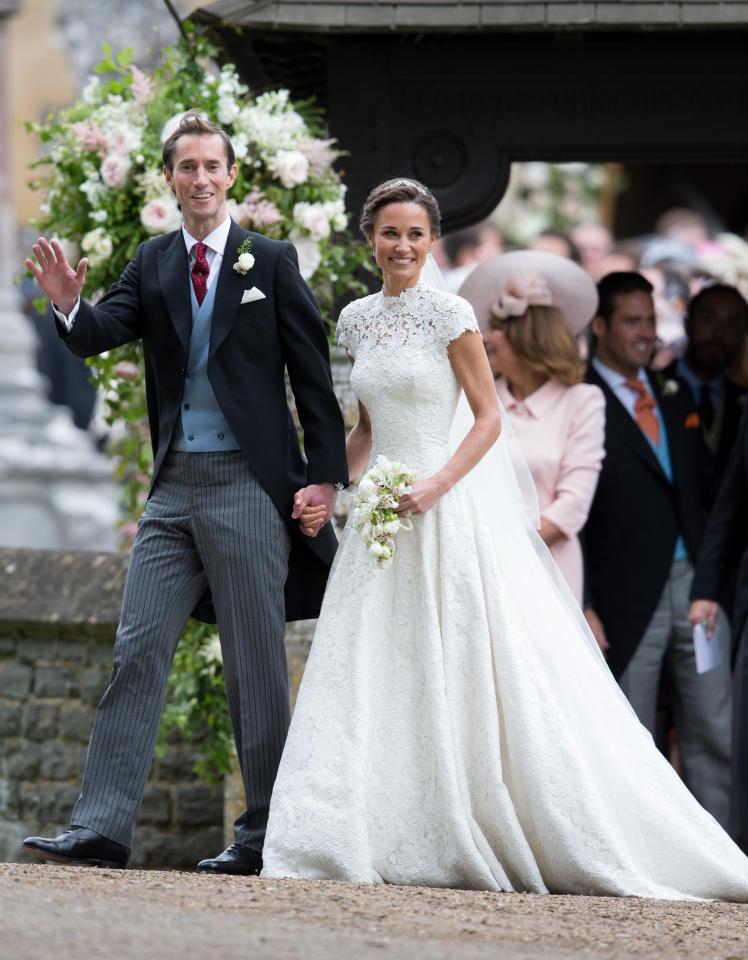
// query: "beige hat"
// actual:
[[508, 279]]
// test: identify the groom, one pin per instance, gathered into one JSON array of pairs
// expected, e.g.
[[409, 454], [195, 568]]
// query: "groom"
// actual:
[[219, 538]]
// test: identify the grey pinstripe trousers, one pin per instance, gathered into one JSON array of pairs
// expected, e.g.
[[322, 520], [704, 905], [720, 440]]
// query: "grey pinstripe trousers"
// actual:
[[208, 520]]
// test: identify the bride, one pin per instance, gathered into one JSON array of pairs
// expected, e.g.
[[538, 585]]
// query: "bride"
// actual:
[[456, 725]]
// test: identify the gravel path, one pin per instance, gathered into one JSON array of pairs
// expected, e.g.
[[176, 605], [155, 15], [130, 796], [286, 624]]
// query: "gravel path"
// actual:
[[66, 912]]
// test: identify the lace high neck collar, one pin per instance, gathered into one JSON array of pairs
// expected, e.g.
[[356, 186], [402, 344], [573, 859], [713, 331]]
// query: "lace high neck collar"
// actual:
[[404, 299]]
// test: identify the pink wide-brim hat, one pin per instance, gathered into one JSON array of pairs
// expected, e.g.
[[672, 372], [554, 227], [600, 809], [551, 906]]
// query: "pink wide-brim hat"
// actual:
[[572, 290]]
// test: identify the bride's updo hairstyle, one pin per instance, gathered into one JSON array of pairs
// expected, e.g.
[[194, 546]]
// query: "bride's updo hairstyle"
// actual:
[[399, 190]]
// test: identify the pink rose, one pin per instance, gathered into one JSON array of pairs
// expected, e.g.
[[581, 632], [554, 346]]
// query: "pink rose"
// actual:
[[160, 216], [114, 169]]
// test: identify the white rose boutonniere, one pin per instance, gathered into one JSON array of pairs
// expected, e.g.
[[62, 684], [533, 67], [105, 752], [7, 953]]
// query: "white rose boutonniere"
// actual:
[[670, 388], [246, 260]]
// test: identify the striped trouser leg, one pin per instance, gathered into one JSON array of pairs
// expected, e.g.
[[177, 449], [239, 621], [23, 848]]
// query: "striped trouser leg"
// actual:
[[244, 545], [164, 581]]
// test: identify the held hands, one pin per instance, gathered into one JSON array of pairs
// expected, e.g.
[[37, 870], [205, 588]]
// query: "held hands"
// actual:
[[422, 497], [704, 611], [313, 506], [55, 276]]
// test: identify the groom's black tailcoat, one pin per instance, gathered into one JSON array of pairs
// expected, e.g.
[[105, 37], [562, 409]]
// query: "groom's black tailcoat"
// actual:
[[250, 347], [637, 514]]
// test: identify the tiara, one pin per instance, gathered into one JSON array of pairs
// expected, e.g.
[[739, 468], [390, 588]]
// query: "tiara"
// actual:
[[411, 183]]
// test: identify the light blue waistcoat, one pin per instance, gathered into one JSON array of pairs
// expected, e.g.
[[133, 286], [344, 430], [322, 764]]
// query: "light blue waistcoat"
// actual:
[[202, 426], [662, 452]]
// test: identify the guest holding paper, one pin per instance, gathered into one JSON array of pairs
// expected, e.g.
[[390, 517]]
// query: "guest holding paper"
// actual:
[[643, 536], [725, 549]]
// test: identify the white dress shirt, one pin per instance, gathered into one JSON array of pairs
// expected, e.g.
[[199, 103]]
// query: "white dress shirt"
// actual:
[[216, 244]]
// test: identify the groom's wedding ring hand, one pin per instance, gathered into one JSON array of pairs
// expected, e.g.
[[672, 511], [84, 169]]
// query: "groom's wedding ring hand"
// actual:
[[55, 276], [313, 507], [312, 520]]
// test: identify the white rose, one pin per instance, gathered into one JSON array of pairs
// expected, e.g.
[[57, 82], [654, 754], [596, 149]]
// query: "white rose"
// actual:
[[99, 216], [309, 256], [97, 244], [291, 167], [392, 526], [161, 215], [378, 549], [367, 487], [114, 169], [312, 217], [245, 262]]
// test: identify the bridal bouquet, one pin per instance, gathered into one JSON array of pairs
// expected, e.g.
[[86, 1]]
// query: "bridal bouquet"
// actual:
[[379, 493]]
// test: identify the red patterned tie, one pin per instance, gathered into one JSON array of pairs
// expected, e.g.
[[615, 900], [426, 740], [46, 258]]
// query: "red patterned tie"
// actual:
[[645, 410], [200, 271]]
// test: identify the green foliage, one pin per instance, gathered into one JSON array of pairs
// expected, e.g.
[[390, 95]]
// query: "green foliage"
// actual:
[[196, 707]]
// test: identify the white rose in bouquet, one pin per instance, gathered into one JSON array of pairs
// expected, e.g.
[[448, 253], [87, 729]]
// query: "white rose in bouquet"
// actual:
[[374, 511], [367, 488]]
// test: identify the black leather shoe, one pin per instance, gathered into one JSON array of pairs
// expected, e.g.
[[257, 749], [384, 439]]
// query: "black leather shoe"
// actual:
[[237, 859], [79, 847]]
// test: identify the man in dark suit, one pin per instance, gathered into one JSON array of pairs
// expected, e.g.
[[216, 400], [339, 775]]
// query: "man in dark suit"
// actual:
[[716, 324], [219, 325], [643, 534], [725, 551]]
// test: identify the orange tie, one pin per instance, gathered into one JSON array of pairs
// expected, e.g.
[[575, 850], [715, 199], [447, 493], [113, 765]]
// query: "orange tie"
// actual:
[[645, 410]]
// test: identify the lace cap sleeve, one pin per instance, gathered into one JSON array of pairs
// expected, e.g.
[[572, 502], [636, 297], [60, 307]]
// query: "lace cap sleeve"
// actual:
[[346, 332], [458, 317]]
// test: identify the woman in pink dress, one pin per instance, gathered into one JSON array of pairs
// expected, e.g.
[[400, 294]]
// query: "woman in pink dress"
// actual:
[[531, 305]]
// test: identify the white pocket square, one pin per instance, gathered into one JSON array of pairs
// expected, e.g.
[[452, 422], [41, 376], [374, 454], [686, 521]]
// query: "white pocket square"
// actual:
[[254, 294]]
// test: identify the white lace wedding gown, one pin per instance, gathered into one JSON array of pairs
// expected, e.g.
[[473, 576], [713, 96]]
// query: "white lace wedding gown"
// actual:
[[455, 726]]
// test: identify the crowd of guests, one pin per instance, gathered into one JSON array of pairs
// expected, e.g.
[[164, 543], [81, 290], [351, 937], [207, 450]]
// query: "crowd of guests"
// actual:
[[622, 371]]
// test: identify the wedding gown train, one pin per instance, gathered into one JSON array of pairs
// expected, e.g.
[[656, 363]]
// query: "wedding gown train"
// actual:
[[456, 726]]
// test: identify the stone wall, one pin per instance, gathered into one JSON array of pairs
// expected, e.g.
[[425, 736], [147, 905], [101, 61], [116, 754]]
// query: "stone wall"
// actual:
[[58, 615]]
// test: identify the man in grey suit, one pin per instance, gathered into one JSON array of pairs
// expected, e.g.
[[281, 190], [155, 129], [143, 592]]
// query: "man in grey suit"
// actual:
[[220, 536]]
